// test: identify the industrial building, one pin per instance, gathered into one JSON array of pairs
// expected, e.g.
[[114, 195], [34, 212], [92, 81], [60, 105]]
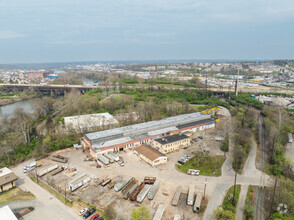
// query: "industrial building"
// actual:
[[150, 155], [7, 179], [131, 136], [171, 143]]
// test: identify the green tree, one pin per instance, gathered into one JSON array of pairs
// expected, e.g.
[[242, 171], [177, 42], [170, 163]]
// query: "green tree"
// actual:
[[221, 214], [142, 213]]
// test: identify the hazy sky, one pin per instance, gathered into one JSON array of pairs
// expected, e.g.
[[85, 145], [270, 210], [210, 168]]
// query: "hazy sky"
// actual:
[[84, 30]]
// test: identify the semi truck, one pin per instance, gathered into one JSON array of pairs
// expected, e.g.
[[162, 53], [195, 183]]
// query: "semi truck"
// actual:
[[32, 165], [47, 169]]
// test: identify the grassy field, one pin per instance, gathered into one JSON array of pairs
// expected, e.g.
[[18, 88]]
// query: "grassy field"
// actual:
[[206, 165], [15, 195], [249, 203], [53, 192]]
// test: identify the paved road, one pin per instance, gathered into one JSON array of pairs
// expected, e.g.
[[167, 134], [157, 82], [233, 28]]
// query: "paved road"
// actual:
[[47, 207], [241, 202]]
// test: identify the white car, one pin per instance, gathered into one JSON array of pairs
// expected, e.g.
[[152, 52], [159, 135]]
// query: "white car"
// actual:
[[121, 163], [82, 212]]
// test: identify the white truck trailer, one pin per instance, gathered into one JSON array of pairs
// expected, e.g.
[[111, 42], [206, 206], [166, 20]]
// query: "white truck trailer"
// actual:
[[103, 159], [143, 193], [159, 212], [153, 190], [197, 204], [114, 156], [79, 181], [190, 199], [119, 186]]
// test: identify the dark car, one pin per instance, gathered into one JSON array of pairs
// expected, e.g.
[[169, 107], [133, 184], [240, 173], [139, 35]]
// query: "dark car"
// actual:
[[181, 162], [200, 137], [88, 213], [100, 218]]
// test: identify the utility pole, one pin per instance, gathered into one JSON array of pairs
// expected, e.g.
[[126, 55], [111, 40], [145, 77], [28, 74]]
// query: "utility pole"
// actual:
[[205, 188], [65, 193], [237, 82], [272, 202]]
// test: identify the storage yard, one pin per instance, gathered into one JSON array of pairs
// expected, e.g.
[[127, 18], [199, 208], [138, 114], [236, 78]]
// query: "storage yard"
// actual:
[[104, 181]]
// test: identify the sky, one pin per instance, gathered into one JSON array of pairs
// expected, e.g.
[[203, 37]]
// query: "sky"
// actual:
[[33, 31]]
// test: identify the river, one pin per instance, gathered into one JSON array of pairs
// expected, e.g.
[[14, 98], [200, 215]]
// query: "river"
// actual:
[[28, 106]]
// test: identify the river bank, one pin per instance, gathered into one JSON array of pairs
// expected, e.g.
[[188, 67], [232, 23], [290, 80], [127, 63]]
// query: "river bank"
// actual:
[[4, 102]]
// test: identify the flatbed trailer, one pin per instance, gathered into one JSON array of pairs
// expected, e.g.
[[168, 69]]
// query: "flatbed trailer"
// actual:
[[59, 158], [176, 196], [149, 180]]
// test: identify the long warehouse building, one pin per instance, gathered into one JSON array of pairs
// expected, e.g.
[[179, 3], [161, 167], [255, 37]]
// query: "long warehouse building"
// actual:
[[118, 139]]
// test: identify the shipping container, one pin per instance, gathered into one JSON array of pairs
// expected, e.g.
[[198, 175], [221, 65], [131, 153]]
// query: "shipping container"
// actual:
[[153, 190], [190, 199], [143, 193], [197, 204], [47, 169], [114, 156], [159, 212], [119, 186], [128, 193], [176, 196], [103, 159]]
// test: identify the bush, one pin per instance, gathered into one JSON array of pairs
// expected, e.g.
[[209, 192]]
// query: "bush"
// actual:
[[110, 212]]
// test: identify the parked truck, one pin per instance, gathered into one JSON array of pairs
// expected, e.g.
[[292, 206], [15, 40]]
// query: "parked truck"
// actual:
[[114, 156], [103, 159], [197, 204], [190, 199], [32, 165], [47, 169], [153, 190], [290, 139], [119, 186], [59, 158], [143, 193]]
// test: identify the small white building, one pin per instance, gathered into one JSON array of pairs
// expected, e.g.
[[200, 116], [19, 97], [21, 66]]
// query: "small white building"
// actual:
[[91, 122]]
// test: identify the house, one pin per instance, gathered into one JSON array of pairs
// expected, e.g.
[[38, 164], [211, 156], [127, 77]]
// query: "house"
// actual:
[[7, 179], [150, 155], [171, 143]]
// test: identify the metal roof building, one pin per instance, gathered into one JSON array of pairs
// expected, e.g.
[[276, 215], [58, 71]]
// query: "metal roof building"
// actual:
[[127, 135]]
